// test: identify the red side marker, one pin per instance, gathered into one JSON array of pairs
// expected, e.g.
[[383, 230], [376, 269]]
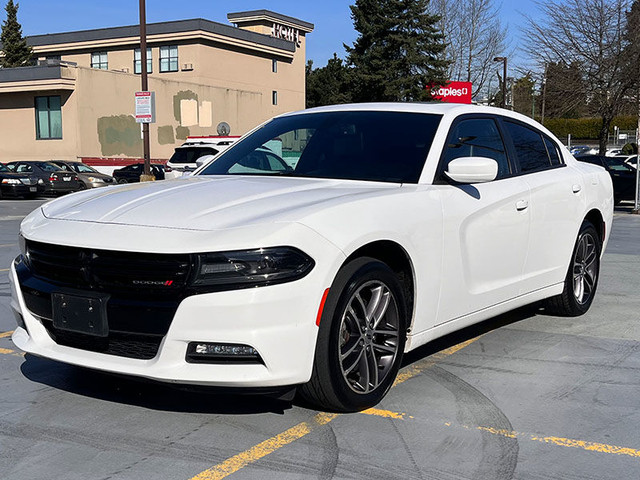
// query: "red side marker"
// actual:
[[324, 299]]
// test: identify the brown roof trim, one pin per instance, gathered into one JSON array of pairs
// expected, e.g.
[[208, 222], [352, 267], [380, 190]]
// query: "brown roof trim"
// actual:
[[237, 17], [178, 26]]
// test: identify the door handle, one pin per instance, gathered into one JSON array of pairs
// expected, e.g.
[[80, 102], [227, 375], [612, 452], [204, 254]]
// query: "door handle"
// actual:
[[576, 188], [521, 205]]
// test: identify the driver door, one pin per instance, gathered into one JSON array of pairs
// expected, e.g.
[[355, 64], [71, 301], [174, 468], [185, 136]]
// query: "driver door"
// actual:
[[486, 225]]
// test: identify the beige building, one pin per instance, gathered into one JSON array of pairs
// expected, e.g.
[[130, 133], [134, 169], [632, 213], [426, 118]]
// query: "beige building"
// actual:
[[78, 102]]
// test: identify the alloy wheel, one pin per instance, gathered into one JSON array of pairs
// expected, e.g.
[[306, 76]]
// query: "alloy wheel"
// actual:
[[585, 268], [369, 337]]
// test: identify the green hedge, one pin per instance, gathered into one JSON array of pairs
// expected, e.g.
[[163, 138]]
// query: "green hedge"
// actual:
[[587, 128]]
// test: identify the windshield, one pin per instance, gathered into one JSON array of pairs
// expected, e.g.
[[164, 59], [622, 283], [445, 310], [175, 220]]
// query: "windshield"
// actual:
[[3, 168], [374, 146], [191, 154]]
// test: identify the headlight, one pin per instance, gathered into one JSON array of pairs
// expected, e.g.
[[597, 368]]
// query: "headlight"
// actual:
[[247, 268], [40, 181], [95, 180], [11, 181]]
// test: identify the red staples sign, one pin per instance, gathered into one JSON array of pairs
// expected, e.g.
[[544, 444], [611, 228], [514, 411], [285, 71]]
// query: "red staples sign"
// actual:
[[453, 92]]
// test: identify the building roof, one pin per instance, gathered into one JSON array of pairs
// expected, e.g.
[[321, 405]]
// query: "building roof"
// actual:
[[252, 15], [178, 26]]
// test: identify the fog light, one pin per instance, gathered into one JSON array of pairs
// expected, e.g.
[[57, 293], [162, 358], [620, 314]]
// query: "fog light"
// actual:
[[201, 352]]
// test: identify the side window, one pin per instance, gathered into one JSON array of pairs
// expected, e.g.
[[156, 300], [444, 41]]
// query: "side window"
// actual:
[[477, 137], [530, 148], [552, 150]]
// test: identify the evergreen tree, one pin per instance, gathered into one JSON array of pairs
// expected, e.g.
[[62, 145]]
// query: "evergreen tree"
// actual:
[[328, 85], [16, 51], [398, 52]]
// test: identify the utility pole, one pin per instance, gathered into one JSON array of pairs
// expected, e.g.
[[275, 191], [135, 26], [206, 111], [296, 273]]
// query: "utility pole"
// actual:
[[636, 206], [145, 88], [504, 79], [544, 93]]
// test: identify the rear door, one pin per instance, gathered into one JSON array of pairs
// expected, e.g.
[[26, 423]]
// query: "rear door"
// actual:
[[556, 206]]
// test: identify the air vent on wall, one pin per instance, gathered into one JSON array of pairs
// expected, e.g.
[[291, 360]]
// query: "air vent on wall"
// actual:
[[187, 66]]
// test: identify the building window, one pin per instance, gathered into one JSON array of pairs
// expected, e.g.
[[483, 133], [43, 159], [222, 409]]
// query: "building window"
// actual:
[[274, 66], [169, 58], [274, 97], [48, 117], [99, 60], [137, 61]]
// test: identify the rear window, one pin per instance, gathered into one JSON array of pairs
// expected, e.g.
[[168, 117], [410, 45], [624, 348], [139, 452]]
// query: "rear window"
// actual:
[[191, 154], [49, 167]]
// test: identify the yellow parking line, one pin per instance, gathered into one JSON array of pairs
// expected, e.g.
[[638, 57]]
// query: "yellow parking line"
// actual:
[[6, 334], [4, 269], [385, 413], [8, 244], [7, 351], [589, 446], [559, 441], [263, 449], [241, 460]]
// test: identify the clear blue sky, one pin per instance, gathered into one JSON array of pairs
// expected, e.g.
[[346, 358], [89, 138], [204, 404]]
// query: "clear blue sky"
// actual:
[[332, 18]]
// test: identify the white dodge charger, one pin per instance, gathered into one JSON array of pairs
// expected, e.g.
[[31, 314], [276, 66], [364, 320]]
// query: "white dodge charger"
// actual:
[[315, 251]]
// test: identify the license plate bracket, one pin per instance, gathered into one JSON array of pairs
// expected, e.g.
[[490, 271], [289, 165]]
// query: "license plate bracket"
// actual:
[[85, 314]]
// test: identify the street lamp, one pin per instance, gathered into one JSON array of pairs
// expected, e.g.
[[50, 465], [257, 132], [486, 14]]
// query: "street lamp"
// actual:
[[504, 79]]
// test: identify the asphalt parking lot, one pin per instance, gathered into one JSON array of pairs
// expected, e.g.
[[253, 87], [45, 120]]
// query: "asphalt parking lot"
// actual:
[[522, 396]]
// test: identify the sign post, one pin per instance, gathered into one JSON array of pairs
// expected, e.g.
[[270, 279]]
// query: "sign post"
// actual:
[[146, 98]]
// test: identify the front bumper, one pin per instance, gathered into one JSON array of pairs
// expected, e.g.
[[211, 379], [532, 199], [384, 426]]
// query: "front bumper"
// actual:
[[278, 321]]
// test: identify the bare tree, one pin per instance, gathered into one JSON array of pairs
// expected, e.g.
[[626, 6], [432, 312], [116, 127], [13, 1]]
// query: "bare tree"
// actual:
[[474, 36], [588, 35]]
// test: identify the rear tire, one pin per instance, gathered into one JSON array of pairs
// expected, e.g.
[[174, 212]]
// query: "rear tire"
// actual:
[[122, 180], [361, 338], [582, 278]]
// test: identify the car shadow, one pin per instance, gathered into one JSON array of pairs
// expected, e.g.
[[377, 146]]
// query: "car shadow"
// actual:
[[146, 393], [470, 332], [209, 400]]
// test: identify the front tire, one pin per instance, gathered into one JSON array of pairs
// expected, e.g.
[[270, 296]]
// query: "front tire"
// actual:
[[361, 339], [582, 278]]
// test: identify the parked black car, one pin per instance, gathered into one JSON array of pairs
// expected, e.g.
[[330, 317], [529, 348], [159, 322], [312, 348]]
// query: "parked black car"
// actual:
[[19, 185], [56, 181], [89, 176], [131, 173], [623, 176]]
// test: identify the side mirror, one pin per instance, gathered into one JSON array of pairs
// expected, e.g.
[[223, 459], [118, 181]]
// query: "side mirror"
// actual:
[[472, 170], [203, 160]]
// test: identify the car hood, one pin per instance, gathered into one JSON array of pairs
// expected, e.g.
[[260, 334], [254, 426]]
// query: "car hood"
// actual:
[[209, 203]]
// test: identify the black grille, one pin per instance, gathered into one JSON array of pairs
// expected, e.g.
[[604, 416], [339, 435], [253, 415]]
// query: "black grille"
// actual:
[[106, 270], [144, 293]]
